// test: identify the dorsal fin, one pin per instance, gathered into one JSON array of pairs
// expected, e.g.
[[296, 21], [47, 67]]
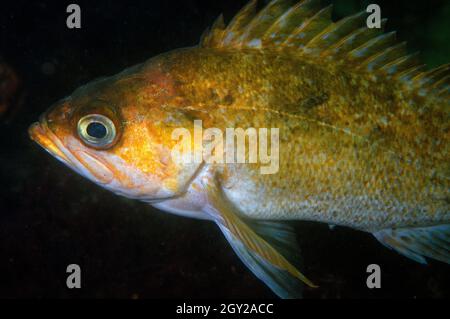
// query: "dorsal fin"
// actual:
[[311, 27], [308, 30], [336, 31], [212, 38], [436, 80], [355, 39], [235, 27], [255, 30], [287, 22]]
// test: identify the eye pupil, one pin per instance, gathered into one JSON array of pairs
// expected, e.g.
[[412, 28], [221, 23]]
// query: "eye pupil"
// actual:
[[96, 129]]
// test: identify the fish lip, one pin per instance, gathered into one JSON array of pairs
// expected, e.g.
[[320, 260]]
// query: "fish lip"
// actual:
[[42, 135]]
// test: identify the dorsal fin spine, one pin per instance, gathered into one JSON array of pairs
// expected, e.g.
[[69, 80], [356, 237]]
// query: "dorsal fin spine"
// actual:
[[408, 74], [380, 42], [264, 19], [214, 36], [239, 22], [356, 39], [337, 31], [401, 64], [299, 37], [441, 83], [433, 75], [378, 60], [288, 21]]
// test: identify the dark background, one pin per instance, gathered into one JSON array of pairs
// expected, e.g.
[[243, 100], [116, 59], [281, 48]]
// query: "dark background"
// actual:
[[50, 217]]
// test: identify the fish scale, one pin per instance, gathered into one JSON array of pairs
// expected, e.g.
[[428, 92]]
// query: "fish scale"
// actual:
[[374, 129]]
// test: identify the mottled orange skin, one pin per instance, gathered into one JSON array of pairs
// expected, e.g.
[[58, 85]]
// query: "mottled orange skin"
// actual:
[[356, 149]]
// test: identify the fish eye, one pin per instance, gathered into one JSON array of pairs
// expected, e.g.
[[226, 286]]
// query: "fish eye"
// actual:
[[96, 130]]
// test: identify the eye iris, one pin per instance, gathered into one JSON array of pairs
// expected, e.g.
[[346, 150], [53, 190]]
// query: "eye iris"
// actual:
[[96, 129]]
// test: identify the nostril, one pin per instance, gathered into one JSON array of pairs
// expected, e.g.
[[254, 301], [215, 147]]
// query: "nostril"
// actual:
[[60, 111]]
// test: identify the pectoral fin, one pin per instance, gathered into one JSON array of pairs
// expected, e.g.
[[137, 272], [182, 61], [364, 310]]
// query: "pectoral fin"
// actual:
[[264, 247]]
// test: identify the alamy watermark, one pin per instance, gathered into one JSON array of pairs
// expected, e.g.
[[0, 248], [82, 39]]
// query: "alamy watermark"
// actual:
[[374, 19], [73, 21], [374, 279], [213, 145], [74, 279]]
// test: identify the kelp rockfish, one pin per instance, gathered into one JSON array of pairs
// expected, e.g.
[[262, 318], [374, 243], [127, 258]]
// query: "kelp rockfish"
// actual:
[[364, 135]]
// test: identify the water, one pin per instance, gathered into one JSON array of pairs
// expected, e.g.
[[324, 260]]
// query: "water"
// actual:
[[50, 217]]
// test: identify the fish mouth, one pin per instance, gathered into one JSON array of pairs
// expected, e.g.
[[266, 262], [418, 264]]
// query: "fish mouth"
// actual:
[[41, 134], [80, 161]]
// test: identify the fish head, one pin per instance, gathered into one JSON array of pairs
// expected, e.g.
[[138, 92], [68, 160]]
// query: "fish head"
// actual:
[[117, 132]]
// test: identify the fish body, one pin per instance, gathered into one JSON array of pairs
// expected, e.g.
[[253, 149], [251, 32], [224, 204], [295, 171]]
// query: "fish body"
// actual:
[[355, 150], [363, 136]]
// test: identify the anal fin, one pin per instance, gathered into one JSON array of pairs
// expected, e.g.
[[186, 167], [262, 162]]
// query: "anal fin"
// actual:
[[419, 242]]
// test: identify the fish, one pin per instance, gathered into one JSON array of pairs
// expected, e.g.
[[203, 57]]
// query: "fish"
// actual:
[[363, 135]]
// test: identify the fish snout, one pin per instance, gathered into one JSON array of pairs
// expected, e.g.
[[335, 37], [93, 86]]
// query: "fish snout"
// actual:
[[34, 131], [39, 133]]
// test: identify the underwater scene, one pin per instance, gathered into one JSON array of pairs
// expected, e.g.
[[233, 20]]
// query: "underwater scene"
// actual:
[[225, 149]]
